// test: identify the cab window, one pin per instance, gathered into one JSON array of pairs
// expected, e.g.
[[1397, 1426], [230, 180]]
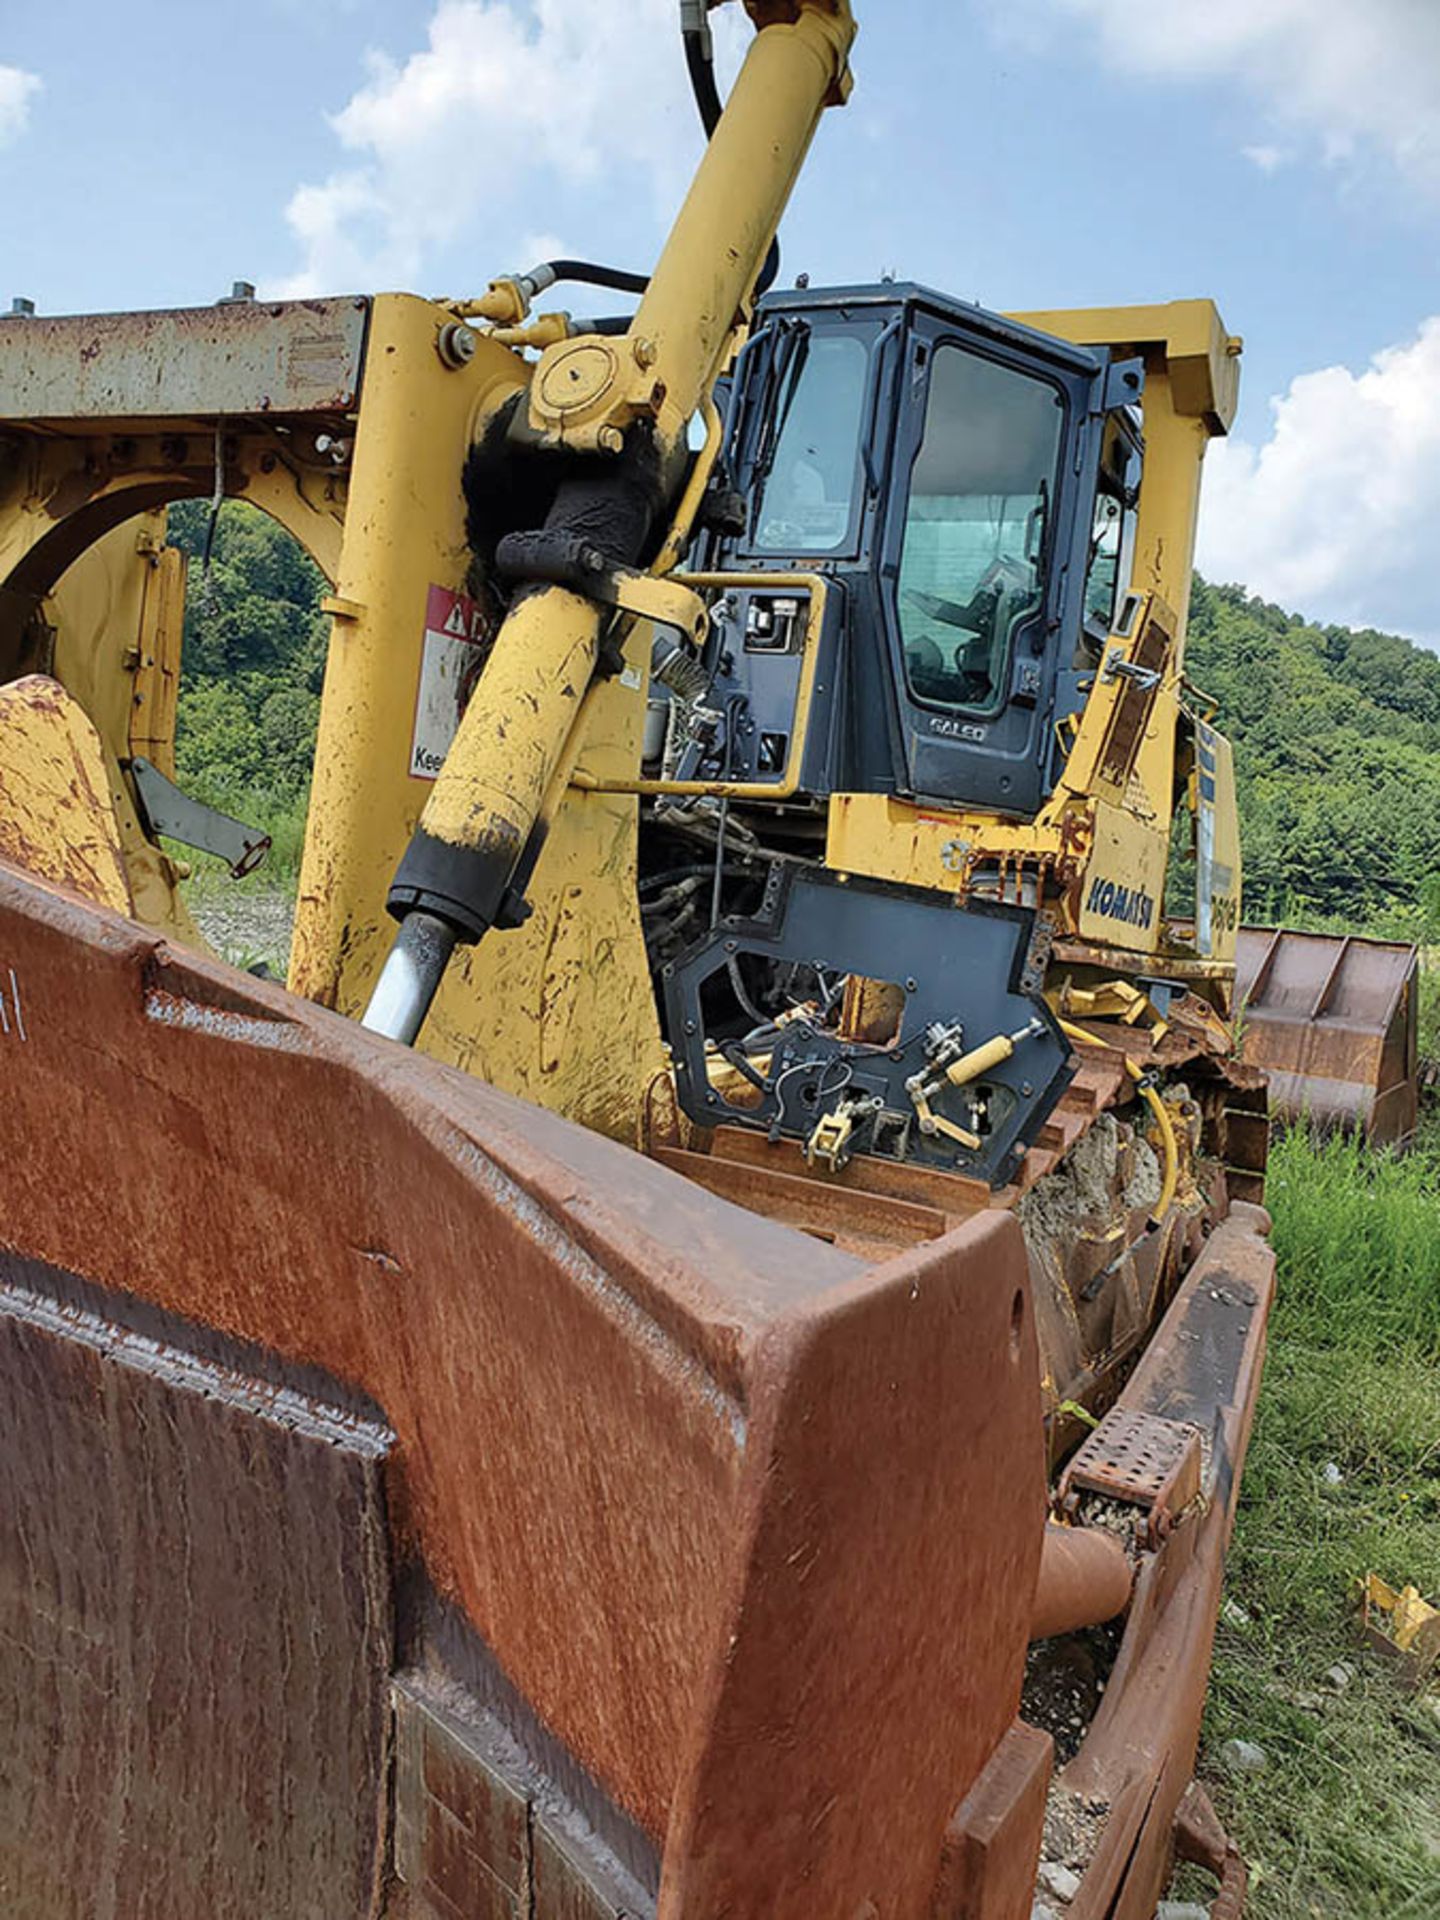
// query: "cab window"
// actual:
[[975, 541], [809, 455]]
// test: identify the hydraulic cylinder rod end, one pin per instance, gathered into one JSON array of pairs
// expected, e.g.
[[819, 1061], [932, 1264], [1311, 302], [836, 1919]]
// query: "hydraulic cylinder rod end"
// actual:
[[410, 978], [1085, 1579]]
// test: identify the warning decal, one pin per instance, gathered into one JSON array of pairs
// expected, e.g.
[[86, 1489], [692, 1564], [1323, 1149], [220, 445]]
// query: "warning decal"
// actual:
[[450, 662]]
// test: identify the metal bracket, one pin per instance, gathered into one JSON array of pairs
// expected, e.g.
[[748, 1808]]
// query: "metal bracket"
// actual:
[[168, 809], [1124, 384], [665, 602], [564, 559], [1117, 667]]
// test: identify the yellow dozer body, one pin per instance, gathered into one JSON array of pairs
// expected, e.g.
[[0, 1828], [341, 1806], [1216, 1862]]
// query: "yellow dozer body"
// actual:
[[663, 1443]]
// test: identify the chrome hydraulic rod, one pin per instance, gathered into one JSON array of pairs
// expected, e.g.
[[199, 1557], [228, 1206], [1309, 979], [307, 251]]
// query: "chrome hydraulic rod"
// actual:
[[410, 978]]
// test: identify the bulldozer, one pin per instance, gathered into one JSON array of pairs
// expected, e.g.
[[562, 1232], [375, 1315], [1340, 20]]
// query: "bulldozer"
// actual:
[[696, 1358]]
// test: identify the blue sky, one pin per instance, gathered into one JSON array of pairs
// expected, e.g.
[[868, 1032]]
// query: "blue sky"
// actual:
[[1282, 156]]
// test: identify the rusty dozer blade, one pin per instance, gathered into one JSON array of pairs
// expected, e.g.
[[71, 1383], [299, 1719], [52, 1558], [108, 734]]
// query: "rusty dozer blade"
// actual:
[[1333, 1019], [414, 1504], [684, 1550]]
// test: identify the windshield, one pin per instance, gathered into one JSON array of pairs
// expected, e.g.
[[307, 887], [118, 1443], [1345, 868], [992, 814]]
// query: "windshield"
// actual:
[[971, 568], [809, 450]]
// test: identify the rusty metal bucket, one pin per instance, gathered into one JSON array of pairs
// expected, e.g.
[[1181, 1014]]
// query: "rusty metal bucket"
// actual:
[[1333, 1021]]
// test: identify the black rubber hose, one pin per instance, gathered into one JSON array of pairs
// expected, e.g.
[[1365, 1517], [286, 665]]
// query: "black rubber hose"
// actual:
[[590, 275], [701, 67], [702, 78]]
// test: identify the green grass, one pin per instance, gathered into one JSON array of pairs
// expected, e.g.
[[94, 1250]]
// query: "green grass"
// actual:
[[1358, 1238], [1344, 1823]]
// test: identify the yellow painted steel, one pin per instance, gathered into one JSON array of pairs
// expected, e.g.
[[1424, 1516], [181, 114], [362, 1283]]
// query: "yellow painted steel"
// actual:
[[524, 707], [157, 666], [586, 391], [1220, 938], [404, 533], [57, 819], [547, 1009], [93, 596], [112, 609]]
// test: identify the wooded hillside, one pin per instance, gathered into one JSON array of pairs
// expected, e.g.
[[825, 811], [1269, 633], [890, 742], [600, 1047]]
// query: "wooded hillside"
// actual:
[[1337, 749], [1337, 732]]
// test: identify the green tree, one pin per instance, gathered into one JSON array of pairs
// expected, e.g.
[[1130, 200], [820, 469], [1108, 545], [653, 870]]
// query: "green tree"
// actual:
[[252, 665]]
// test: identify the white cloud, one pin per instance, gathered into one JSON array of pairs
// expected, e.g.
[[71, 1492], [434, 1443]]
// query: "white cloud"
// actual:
[[1355, 75], [510, 105], [1267, 159], [17, 90], [1336, 514]]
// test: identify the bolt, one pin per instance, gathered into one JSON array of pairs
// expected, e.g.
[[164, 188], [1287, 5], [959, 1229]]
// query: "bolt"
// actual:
[[644, 351], [456, 344]]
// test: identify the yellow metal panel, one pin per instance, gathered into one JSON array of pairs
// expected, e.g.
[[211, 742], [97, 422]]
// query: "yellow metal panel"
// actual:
[[1188, 335], [1218, 867], [157, 670], [57, 819], [560, 1010], [98, 611], [1124, 881], [921, 845], [404, 532]]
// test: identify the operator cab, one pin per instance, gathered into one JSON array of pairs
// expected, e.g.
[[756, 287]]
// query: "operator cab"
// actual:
[[966, 488]]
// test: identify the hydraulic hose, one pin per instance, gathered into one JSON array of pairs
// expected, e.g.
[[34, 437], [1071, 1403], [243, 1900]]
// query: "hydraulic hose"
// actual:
[[1165, 1126], [700, 60], [588, 273]]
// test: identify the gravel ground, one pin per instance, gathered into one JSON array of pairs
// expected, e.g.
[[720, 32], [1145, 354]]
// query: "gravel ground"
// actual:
[[245, 921]]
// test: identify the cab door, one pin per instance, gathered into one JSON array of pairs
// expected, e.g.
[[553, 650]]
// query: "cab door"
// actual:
[[983, 557]]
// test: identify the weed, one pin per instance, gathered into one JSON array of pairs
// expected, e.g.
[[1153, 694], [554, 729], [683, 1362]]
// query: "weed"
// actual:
[[1343, 1478], [1357, 1233]]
